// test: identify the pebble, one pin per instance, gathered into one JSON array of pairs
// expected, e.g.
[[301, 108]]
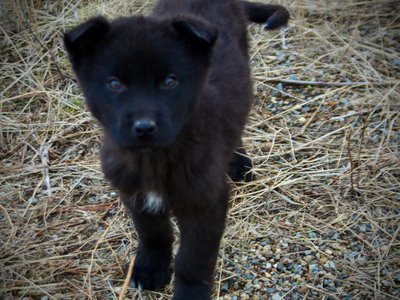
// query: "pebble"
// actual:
[[301, 120], [312, 235], [313, 268], [276, 297], [361, 260], [270, 290], [387, 283], [330, 265], [279, 86], [298, 269], [33, 201], [244, 296], [308, 258], [284, 245]]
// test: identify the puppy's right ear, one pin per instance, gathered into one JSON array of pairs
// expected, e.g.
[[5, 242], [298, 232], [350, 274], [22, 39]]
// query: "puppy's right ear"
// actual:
[[83, 39], [199, 35]]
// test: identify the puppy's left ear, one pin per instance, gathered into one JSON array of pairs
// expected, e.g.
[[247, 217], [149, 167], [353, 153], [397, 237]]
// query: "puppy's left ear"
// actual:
[[197, 33]]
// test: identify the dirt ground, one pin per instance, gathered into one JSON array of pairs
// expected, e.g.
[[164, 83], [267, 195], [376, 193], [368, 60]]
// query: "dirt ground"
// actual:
[[321, 220]]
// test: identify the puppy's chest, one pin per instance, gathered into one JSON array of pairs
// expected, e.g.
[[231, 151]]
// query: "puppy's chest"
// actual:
[[153, 203], [156, 181]]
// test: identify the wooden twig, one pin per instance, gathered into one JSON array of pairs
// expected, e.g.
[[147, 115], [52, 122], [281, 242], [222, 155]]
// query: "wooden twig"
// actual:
[[321, 83], [351, 160], [127, 279]]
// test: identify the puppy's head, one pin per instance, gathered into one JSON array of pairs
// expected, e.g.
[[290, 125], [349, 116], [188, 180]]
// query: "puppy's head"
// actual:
[[142, 76]]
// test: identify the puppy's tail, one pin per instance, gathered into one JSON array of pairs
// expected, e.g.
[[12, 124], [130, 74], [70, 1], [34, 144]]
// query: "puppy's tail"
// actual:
[[271, 15]]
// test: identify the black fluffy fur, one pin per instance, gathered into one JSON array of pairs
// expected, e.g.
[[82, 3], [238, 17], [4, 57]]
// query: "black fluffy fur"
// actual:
[[172, 91]]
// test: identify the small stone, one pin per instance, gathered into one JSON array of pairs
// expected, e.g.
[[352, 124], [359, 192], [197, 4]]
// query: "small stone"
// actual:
[[308, 258], [303, 290], [296, 296], [298, 235], [284, 245], [330, 265], [387, 283], [301, 120], [298, 269], [280, 266], [33, 201], [361, 260], [268, 266], [270, 58], [322, 260], [278, 252], [276, 297], [244, 296], [344, 102], [248, 286], [270, 290], [362, 228], [314, 268]]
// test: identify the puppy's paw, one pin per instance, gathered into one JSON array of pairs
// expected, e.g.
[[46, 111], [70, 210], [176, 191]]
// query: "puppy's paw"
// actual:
[[191, 291], [151, 270], [240, 168], [277, 19]]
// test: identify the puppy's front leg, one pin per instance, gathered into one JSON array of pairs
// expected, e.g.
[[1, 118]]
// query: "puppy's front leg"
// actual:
[[201, 232], [152, 268]]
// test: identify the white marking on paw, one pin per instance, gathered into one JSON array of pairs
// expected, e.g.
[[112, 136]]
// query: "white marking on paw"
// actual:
[[283, 35], [140, 288], [153, 203]]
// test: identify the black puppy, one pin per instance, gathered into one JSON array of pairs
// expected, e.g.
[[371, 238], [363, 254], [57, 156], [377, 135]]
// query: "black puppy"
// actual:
[[172, 92]]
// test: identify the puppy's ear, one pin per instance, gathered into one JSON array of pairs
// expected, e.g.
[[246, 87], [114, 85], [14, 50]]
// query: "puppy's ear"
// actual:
[[83, 39], [197, 33]]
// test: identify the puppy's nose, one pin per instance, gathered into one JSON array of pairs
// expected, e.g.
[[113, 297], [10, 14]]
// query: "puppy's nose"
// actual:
[[145, 127]]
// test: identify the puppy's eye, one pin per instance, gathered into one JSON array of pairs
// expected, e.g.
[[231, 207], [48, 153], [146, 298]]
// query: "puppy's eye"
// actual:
[[114, 85], [170, 82]]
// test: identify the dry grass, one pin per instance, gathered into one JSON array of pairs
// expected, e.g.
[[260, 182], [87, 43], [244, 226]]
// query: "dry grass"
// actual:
[[326, 159]]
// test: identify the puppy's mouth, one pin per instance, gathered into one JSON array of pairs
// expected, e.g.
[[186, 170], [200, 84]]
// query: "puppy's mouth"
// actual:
[[142, 145], [142, 149]]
